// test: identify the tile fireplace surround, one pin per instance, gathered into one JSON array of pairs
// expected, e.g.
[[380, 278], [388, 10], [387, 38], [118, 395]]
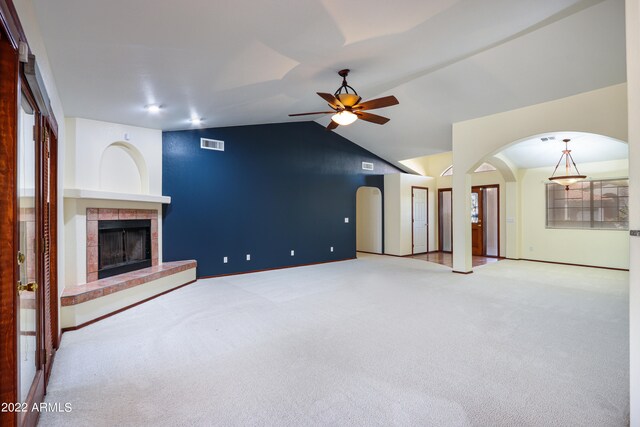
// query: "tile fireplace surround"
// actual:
[[98, 214]]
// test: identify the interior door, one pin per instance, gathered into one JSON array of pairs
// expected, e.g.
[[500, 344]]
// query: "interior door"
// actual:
[[30, 375], [445, 224], [419, 212], [477, 220]]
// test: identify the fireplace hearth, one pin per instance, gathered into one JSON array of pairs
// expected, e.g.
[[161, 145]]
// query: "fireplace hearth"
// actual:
[[123, 246]]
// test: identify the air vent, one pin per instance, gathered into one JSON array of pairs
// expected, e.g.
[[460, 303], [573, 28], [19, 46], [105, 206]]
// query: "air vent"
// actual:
[[211, 144], [547, 138], [367, 166]]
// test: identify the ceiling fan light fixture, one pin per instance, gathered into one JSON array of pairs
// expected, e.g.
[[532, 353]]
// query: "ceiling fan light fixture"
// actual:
[[344, 118], [346, 107], [569, 178]]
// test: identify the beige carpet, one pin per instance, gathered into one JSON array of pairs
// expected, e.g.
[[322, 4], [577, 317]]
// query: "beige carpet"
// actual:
[[374, 341]]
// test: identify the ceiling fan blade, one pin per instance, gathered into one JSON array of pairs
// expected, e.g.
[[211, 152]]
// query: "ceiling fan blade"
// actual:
[[332, 100], [386, 101], [308, 114], [332, 125], [373, 118]]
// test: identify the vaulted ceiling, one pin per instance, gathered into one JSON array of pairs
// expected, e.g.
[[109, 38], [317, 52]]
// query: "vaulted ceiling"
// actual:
[[241, 62]]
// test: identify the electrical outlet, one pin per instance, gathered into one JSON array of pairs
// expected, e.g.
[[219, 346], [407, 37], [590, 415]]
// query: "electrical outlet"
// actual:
[[331, 249], [225, 260], [248, 257], [293, 252], [346, 220]]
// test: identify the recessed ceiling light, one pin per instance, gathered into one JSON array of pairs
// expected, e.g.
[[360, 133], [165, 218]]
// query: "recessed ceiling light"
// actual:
[[196, 120], [153, 108]]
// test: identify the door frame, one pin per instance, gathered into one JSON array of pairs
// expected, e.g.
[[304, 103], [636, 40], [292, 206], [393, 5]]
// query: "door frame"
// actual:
[[9, 92], [484, 229], [427, 214], [380, 210], [442, 190]]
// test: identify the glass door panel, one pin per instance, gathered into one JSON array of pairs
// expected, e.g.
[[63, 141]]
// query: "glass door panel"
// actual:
[[491, 216], [27, 259]]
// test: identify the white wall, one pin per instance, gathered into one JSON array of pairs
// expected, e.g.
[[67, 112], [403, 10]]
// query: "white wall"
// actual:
[[633, 77], [369, 220], [603, 248], [107, 157], [397, 212], [602, 111], [93, 147]]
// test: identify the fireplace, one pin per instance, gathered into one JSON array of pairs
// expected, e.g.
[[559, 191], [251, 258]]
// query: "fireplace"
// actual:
[[123, 216], [123, 246]]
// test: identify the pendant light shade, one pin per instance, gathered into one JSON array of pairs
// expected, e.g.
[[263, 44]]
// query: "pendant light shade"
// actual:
[[344, 118], [568, 178]]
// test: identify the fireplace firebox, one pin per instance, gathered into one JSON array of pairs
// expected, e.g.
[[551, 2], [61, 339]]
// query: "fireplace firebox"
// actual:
[[123, 246]]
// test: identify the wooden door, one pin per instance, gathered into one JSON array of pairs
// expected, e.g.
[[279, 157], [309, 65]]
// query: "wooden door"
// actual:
[[419, 214], [477, 209]]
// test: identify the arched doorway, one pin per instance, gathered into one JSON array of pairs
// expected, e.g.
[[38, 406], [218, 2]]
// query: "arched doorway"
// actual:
[[369, 220]]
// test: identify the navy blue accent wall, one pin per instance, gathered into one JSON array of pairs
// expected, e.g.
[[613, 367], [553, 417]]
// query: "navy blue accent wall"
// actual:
[[275, 188]]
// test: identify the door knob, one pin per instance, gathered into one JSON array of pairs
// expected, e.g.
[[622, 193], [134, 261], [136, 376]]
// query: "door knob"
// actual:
[[29, 287]]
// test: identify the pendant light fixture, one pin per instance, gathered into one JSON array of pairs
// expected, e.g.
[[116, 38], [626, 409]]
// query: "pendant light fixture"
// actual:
[[568, 178]]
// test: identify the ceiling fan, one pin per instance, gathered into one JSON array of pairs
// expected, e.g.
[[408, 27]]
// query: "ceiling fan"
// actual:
[[346, 106]]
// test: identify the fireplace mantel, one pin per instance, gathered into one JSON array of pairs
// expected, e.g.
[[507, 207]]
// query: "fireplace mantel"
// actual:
[[77, 193]]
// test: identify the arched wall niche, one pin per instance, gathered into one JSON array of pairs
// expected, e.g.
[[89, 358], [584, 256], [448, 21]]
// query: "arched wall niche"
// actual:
[[123, 169]]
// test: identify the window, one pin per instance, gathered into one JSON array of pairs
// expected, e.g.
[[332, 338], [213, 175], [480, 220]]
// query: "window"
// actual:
[[600, 204], [485, 167], [474, 208]]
